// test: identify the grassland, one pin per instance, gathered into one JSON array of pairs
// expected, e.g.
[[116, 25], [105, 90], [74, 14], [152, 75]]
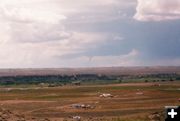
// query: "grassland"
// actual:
[[55, 103]]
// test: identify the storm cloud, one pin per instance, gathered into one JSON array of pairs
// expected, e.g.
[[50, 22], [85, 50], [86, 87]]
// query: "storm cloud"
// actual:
[[68, 33]]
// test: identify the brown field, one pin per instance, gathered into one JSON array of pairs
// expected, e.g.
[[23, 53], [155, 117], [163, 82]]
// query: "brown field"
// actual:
[[54, 103]]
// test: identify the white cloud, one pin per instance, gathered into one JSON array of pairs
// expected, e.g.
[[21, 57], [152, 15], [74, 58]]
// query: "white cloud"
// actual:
[[117, 37], [30, 15], [157, 10], [31, 21], [34, 31], [128, 59], [29, 11], [94, 11], [43, 54]]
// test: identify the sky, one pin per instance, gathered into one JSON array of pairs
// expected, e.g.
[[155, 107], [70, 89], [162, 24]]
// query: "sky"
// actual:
[[89, 33]]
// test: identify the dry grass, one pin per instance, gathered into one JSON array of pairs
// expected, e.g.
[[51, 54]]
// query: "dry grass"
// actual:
[[54, 103]]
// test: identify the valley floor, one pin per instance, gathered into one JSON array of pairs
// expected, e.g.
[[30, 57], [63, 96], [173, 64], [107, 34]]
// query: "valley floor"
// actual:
[[137, 101]]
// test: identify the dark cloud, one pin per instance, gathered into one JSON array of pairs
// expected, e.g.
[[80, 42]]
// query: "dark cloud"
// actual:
[[75, 34]]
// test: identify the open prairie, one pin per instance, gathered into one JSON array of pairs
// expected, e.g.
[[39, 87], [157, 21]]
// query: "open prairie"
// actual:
[[131, 101], [89, 60]]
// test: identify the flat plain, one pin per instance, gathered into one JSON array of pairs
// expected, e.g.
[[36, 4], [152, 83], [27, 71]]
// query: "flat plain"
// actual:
[[130, 101]]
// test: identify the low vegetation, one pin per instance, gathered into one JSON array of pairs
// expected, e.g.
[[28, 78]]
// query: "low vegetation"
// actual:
[[59, 80]]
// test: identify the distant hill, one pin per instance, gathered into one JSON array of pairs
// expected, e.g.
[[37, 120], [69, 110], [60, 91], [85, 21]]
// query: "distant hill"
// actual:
[[99, 70]]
